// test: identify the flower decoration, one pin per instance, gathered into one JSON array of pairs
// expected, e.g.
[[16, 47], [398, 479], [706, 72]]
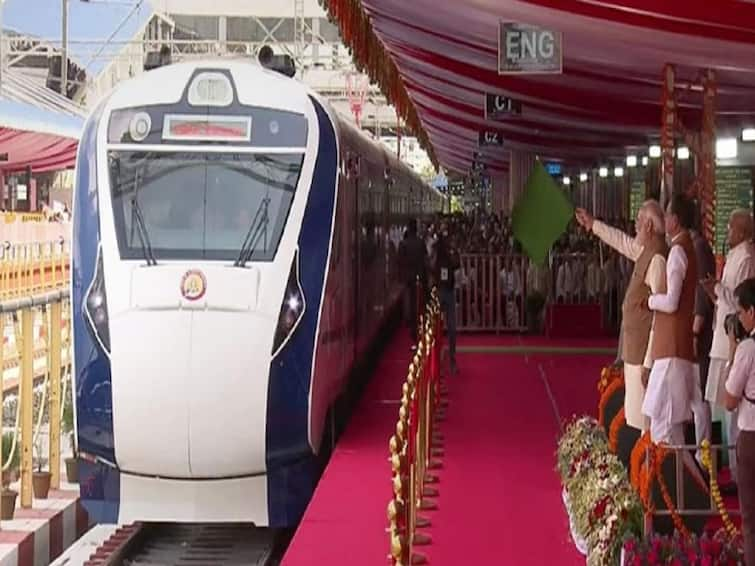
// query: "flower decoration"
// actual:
[[717, 550], [601, 503]]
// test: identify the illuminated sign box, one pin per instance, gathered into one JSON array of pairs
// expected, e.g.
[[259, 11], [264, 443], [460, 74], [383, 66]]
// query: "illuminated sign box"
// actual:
[[207, 128]]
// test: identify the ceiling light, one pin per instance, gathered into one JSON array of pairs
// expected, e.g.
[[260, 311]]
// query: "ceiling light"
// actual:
[[567, 181], [583, 177], [618, 172], [726, 148], [644, 160], [682, 153], [748, 134], [603, 171], [631, 161], [655, 151]]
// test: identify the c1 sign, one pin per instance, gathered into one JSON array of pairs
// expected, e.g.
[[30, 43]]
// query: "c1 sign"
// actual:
[[525, 49], [498, 106], [488, 137]]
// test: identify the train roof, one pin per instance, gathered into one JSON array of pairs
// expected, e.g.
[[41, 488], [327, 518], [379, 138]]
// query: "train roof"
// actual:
[[290, 94]]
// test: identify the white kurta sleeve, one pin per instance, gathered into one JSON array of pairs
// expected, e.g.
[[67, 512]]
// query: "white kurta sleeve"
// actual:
[[676, 268], [655, 278], [726, 294]]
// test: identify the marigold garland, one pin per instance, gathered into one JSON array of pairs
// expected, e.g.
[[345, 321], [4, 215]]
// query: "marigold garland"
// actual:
[[371, 57], [716, 492], [659, 453], [644, 471], [613, 433], [606, 396], [637, 459], [607, 376]]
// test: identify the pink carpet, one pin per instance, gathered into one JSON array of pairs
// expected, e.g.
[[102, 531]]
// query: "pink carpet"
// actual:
[[346, 521], [500, 497], [500, 494], [513, 340]]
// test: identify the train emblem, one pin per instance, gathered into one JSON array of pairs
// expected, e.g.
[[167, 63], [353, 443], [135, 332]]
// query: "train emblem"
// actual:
[[193, 285]]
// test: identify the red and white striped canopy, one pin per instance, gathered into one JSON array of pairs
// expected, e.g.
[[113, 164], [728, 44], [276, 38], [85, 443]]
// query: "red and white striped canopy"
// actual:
[[608, 98]]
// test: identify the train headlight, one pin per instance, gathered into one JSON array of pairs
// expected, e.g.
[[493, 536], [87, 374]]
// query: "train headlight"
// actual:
[[210, 89], [140, 126], [96, 307], [292, 308]]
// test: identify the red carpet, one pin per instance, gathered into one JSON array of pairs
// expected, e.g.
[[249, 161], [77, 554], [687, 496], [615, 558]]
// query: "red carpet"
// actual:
[[500, 499], [513, 340], [346, 521], [500, 496]]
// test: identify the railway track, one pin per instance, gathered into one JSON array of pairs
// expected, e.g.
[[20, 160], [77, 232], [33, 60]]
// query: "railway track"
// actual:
[[188, 545]]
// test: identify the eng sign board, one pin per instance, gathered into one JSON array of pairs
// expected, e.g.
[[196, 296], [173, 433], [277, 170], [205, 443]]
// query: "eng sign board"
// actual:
[[525, 49]]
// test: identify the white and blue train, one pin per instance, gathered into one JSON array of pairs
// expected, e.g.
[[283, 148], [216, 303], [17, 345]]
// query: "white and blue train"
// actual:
[[234, 255]]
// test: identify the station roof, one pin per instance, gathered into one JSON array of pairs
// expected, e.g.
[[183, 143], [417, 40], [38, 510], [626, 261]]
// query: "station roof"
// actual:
[[38, 127], [436, 60], [97, 30]]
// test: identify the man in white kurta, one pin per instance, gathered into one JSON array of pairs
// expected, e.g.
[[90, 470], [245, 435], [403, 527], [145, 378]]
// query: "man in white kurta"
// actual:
[[740, 265], [674, 379], [647, 251]]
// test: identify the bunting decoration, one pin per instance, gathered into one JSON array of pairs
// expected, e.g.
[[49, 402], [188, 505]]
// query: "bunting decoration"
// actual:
[[370, 57]]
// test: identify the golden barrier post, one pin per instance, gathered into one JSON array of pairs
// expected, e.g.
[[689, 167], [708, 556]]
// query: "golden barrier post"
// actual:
[[26, 403], [413, 445], [54, 345]]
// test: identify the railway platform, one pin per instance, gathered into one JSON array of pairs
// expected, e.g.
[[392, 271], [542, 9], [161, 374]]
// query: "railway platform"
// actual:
[[505, 411], [37, 536]]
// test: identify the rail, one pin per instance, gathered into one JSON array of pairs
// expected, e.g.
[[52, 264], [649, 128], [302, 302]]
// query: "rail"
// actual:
[[157, 544], [508, 293], [680, 509], [417, 443], [23, 316]]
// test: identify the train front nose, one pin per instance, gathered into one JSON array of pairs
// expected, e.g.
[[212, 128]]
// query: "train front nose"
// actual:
[[191, 391]]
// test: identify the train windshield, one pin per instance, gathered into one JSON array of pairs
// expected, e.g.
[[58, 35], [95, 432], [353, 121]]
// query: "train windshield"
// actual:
[[197, 205]]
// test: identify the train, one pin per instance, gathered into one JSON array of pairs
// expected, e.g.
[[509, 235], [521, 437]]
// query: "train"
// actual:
[[234, 255]]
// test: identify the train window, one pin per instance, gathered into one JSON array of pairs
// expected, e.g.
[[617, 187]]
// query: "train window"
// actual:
[[197, 205]]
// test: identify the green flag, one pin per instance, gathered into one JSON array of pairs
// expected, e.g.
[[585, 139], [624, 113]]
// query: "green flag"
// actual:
[[541, 214]]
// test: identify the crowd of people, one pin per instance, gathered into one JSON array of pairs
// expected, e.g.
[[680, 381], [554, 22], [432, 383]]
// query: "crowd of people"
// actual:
[[687, 338], [496, 279]]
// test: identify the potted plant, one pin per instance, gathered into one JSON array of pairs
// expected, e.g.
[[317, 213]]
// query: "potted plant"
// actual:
[[72, 463], [535, 304], [8, 495], [40, 479]]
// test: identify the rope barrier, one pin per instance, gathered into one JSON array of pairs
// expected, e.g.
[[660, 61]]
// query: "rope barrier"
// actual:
[[416, 444]]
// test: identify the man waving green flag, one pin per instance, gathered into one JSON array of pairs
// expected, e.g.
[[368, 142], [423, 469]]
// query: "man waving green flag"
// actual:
[[541, 214]]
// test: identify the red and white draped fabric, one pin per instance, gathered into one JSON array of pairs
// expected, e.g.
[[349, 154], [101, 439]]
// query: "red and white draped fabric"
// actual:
[[520, 168], [42, 152], [439, 57], [35, 136]]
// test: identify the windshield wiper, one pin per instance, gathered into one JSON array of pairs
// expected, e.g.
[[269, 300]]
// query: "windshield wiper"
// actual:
[[257, 228], [136, 214]]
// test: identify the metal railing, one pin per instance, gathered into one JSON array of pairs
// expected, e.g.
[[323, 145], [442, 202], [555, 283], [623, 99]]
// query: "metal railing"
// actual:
[[680, 452], [23, 315], [493, 292], [28, 269]]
